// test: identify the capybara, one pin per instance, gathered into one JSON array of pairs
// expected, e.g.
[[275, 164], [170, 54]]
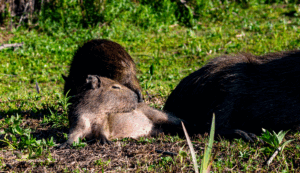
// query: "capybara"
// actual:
[[103, 58], [106, 110], [246, 93]]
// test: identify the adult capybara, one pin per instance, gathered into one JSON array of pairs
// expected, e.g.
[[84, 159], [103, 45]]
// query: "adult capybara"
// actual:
[[104, 58], [246, 93], [106, 110]]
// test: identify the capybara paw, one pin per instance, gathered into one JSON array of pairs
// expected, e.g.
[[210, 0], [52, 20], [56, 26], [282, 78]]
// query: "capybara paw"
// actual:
[[104, 141]]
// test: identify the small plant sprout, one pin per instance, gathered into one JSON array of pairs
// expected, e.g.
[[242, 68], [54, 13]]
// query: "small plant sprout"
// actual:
[[151, 72], [65, 135], [274, 140], [20, 138], [79, 144], [65, 101], [182, 154], [206, 161]]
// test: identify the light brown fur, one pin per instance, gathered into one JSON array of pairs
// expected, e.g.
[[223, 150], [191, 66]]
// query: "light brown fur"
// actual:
[[107, 110]]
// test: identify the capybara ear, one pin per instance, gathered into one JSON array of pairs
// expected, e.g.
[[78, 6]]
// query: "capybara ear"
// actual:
[[94, 81], [64, 77]]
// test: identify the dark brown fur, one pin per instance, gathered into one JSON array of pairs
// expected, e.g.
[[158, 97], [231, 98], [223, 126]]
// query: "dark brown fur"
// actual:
[[106, 110], [246, 92], [103, 58]]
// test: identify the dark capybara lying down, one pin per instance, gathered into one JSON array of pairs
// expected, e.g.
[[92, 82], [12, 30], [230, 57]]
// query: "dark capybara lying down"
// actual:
[[105, 110], [246, 93], [103, 58]]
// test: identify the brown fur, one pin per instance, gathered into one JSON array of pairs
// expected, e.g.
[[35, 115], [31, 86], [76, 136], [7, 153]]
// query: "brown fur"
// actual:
[[246, 92], [106, 110], [103, 58]]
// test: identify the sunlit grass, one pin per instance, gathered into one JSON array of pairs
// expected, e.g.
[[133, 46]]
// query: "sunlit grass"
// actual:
[[165, 50]]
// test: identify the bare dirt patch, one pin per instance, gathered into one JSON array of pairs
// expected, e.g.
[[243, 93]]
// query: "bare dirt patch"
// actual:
[[121, 156]]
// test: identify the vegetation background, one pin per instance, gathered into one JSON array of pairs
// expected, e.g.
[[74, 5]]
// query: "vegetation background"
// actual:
[[168, 39]]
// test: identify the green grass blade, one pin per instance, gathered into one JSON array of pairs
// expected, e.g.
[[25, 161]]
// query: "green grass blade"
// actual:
[[285, 143], [208, 149], [191, 148], [281, 135]]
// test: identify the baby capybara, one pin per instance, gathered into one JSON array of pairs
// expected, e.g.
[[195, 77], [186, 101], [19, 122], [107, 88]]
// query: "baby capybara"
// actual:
[[246, 93], [106, 110], [104, 58]]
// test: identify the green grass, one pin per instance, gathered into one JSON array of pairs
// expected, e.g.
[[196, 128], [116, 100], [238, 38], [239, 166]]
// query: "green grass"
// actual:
[[165, 47]]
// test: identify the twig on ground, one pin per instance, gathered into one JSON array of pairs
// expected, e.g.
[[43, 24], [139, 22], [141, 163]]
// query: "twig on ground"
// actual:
[[12, 75], [273, 156], [143, 55], [166, 153], [8, 101], [11, 45], [37, 87]]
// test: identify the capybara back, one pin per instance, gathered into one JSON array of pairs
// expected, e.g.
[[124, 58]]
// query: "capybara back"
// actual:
[[246, 92]]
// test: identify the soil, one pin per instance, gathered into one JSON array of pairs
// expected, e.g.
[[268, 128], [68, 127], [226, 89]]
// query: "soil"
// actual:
[[118, 157]]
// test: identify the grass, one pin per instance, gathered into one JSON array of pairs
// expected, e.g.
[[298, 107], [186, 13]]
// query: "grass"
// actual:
[[165, 47]]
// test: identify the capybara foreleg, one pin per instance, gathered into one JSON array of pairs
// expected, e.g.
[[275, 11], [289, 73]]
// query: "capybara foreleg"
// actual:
[[100, 131], [81, 129]]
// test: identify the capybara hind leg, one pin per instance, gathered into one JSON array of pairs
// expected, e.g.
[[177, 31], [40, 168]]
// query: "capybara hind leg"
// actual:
[[167, 123]]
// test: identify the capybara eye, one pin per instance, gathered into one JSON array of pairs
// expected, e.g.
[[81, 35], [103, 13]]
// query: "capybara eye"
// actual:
[[116, 87]]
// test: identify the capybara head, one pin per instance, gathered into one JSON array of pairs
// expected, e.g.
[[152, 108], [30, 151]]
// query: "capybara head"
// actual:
[[103, 58], [101, 95]]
